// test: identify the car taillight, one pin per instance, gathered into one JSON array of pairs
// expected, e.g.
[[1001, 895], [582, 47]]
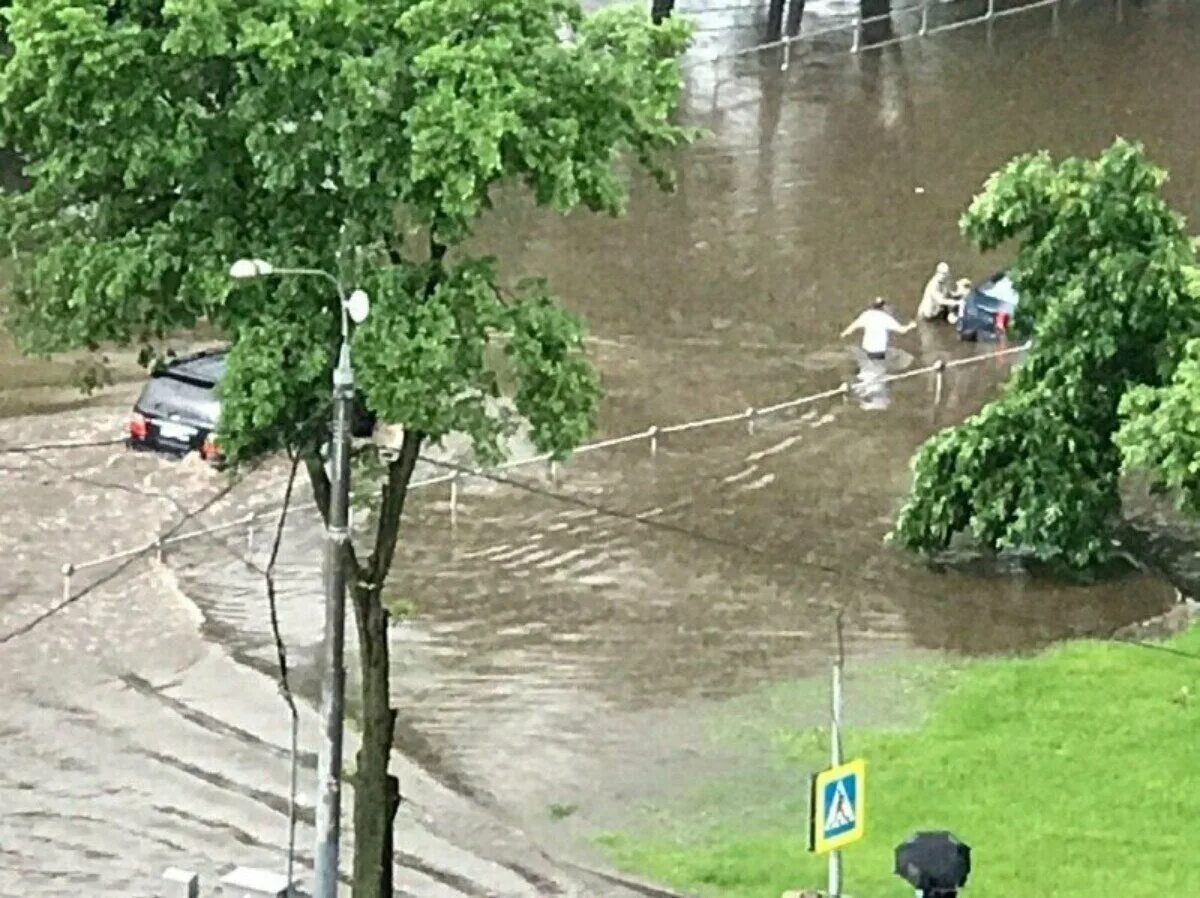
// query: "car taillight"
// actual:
[[138, 427]]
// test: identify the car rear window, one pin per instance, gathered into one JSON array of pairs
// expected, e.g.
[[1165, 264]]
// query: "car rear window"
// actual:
[[165, 395], [206, 368]]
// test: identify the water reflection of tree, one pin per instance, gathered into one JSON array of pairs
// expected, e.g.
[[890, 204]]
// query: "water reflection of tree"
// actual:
[[889, 90], [795, 17], [876, 32], [776, 10], [981, 604]]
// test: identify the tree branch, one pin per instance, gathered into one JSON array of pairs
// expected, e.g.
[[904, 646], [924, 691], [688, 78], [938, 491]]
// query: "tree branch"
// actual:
[[395, 491], [437, 253], [320, 482], [321, 494]]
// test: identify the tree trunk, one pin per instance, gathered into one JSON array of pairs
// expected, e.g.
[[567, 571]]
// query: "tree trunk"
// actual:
[[373, 805], [376, 791], [393, 805]]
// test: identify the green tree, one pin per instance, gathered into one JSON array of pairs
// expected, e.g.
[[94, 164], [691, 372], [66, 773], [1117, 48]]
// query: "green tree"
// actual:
[[1160, 426], [166, 138], [1103, 268]]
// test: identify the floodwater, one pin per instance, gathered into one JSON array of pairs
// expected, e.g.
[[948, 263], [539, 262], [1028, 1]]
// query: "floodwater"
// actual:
[[559, 657]]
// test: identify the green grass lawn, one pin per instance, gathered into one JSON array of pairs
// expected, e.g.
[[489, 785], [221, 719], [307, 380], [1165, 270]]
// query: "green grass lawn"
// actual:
[[1074, 774]]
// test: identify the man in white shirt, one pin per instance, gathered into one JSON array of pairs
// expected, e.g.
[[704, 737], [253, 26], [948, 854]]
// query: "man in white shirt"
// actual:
[[877, 326]]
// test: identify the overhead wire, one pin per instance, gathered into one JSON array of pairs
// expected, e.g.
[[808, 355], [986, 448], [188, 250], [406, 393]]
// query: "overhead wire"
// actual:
[[650, 520], [124, 565], [58, 446], [285, 688], [211, 538], [267, 573]]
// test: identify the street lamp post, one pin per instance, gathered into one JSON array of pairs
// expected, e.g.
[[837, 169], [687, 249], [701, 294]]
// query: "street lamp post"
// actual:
[[354, 307]]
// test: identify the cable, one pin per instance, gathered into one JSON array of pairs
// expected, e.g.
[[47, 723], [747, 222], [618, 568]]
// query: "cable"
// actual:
[[187, 515], [53, 447], [106, 485], [122, 567], [174, 529], [281, 653], [211, 538], [647, 520]]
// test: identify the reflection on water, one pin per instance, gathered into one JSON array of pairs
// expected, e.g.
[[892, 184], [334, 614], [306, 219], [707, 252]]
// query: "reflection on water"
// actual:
[[872, 384]]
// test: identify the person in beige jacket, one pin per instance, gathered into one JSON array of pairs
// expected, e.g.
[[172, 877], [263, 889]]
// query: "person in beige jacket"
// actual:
[[938, 300]]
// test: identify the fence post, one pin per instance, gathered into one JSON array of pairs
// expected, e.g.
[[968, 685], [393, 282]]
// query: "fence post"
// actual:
[[454, 500], [991, 9], [554, 472], [653, 440], [158, 550], [67, 570], [750, 420], [250, 537], [857, 34], [924, 19], [189, 881], [938, 376]]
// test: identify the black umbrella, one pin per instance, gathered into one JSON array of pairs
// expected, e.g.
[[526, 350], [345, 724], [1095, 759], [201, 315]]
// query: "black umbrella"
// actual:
[[933, 861]]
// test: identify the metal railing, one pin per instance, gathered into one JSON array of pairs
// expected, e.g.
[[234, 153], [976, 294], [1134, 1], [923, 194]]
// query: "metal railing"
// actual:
[[651, 435], [918, 16]]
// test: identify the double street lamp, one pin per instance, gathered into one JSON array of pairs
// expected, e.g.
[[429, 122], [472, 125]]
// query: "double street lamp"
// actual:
[[354, 307]]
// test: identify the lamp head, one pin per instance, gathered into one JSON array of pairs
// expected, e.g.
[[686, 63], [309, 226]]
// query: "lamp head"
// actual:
[[358, 306], [247, 269]]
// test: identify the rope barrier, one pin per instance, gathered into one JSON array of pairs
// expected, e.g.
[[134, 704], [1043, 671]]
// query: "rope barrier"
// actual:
[[652, 435]]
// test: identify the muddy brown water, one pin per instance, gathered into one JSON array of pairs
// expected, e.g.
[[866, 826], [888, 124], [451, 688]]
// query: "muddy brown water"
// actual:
[[556, 656]]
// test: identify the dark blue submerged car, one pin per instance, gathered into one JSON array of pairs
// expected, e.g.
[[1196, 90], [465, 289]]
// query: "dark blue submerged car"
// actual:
[[988, 310]]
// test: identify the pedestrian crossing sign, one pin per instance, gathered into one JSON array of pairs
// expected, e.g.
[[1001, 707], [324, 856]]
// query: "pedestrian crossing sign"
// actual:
[[836, 807]]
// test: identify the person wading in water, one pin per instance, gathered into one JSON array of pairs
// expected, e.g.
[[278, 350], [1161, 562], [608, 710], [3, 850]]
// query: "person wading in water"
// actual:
[[940, 300], [877, 325]]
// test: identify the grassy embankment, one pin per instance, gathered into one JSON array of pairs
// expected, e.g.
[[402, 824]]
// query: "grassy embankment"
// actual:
[[1072, 774]]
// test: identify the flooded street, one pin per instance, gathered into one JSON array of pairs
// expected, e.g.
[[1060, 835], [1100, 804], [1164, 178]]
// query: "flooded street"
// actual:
[[561, 662]]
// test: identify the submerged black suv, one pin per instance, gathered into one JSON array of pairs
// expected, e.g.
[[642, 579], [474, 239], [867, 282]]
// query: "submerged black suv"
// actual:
[[178, 409]]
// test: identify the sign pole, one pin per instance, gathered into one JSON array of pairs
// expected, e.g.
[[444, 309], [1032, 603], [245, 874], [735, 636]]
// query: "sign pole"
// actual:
[[835, 751]]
